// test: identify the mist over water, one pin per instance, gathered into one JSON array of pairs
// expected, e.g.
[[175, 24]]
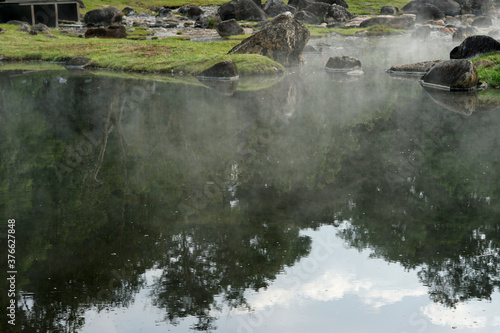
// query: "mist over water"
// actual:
[[304, 202]]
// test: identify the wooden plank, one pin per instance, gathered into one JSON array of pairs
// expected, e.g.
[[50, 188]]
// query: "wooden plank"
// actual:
[[56, 13], [32, 14], [48, 3]]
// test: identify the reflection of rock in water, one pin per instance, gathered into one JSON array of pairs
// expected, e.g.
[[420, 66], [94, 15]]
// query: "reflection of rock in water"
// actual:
[[406, 77], [343, 77], [223, 87], [462, 102]]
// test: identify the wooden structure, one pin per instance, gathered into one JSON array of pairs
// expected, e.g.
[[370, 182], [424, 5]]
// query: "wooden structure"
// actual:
[[39, 11]]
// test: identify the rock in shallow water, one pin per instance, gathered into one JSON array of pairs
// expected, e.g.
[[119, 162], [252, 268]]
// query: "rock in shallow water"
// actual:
[[457, 74], [415, 68], [343, 64]]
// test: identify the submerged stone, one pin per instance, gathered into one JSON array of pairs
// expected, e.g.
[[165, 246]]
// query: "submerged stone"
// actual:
[[343, 64]]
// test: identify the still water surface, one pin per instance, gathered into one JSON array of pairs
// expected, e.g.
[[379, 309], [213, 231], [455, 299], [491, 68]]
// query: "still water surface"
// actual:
[[311, 202]]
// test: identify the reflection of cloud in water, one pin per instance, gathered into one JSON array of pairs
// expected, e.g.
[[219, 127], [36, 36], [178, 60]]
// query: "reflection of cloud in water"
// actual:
[[332, 286], [470, 315], [381, 297], [337, 276]]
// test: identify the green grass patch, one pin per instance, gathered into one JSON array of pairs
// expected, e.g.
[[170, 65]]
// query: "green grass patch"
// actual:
[[322, 31], [491, 75], [31, 66], [372, 7], [238, 38], [139, 33], [382, 30], [376, 30], [158, 56]]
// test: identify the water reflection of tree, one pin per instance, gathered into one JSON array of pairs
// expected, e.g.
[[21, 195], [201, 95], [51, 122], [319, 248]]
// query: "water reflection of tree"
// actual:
[[88, 243], [426, 195], [205, 261]]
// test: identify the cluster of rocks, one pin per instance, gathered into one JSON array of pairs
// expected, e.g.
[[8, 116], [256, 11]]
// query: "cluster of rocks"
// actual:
[[462, 18], [458, 73], [39, 28]]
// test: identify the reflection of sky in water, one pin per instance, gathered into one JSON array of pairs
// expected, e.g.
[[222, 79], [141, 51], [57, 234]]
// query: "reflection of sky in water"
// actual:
[[333, 289]]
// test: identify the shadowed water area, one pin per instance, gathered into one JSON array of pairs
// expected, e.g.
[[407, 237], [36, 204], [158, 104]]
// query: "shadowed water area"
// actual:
[[309, 202]]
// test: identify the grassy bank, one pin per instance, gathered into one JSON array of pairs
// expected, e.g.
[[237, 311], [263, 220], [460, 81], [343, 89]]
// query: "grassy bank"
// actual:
[[376, 30], [490, 74], [158, 56]]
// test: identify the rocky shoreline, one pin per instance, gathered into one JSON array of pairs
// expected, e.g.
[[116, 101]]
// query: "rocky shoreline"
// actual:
[[202, 23]]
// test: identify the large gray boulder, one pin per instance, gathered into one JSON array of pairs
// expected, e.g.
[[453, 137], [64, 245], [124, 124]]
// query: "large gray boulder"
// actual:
[[473, 46], [103, 16], [405, 21], [456, 74], [282, 40]]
